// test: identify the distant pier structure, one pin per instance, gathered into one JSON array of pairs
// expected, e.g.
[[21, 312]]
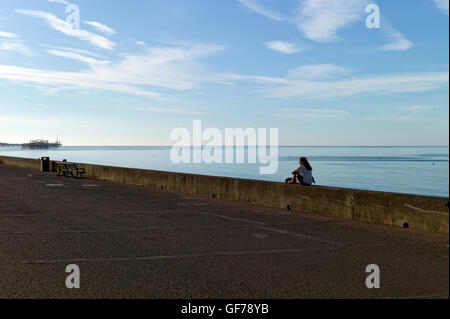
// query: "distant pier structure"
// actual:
[[41, 145]]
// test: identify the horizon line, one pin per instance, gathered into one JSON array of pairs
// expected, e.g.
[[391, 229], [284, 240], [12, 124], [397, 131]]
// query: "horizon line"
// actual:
[[116, 145]]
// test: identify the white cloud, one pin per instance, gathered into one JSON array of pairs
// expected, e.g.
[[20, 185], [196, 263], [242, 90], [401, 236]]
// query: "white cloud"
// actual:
[[173, 68], [398, 42], [76, 56], [419, 108], [12, 42], [23, 120], [165, 110], [83, 52], [167, 68], [67, 29], [442, 5], [317, 72], [15, 46], [101, 27], [320, 20], [309, 88], [258, 8], [283, 47], [68, 80], [9, 35], [59, 1], [140, 43], [306, 114]]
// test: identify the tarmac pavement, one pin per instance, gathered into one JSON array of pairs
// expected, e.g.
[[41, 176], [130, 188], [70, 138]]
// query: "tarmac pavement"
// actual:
[[134, 242]]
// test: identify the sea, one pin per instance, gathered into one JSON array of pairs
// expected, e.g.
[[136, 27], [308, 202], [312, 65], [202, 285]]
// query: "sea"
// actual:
[[411, 170]]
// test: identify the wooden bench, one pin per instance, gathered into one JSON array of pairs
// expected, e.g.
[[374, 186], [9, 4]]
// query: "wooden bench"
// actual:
[[67, 169], [60, 168]]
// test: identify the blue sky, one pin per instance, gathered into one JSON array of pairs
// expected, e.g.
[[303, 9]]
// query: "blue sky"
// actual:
[[137, 69]]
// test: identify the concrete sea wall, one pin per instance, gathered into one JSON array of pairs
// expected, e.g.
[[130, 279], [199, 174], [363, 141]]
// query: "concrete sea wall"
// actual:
[[34, 164], [424, 213]]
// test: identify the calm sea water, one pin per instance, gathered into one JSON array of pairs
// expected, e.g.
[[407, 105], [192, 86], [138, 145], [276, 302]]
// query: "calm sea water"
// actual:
[[414, 170]]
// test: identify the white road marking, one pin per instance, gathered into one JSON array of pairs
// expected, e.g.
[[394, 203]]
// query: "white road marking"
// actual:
[[119, 230], [98, 214], [260, 236], [183, 256], [233, 218], [150, 258], [261, 226]]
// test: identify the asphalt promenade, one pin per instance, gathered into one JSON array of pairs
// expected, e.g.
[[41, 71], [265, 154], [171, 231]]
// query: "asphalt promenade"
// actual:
[[133, 242]]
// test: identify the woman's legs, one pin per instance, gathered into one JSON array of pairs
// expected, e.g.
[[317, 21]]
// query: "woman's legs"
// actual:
[[296, 178]]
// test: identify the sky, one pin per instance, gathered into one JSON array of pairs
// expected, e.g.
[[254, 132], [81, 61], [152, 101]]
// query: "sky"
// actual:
[[134, 70]]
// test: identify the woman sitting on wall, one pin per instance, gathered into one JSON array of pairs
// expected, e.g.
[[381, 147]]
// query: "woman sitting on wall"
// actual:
[[303, 174]]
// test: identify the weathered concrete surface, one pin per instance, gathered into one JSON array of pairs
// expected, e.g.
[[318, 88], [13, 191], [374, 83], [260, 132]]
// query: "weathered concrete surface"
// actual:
[[34, 164], [135, 242]]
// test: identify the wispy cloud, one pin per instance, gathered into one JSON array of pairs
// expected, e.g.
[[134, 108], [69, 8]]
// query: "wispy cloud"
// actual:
[[442, 5], [23, 120], [15, 46], [398, 42], [419, 108], [59, 1], [67, 29], [68, 80], [101, 27], [317, 72], [12, 42], [308, 114], [402, 118], [76, 56], [174, 68], [83, 52], [9, 35], [308, 88], [260, 9], [165, 110], [283, 47], [320, 20]]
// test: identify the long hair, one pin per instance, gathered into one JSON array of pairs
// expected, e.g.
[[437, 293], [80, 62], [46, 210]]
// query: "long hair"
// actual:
[[306, 163]]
